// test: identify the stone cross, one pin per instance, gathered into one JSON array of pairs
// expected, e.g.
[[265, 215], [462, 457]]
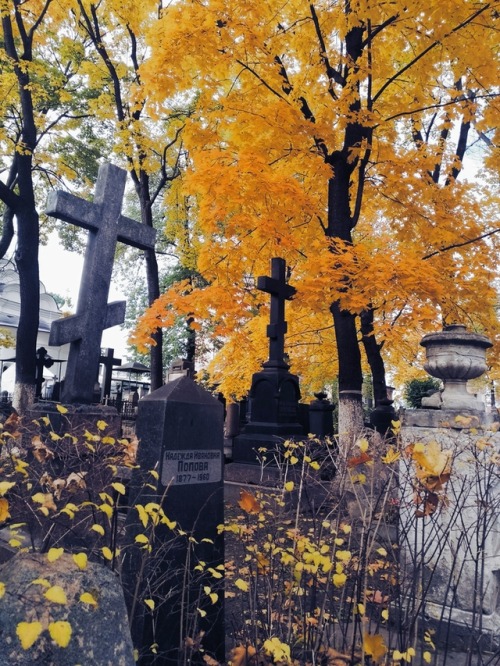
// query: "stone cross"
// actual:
[[280, 291], [106, 226], [109, 362]]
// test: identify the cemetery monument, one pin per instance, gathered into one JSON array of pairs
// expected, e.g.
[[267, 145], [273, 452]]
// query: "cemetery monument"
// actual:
[[106, 226]]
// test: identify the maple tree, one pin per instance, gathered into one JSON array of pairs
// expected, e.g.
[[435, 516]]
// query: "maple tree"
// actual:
[[334, 135]]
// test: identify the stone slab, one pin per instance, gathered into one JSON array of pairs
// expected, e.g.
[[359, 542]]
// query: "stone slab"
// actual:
[[100, 634]]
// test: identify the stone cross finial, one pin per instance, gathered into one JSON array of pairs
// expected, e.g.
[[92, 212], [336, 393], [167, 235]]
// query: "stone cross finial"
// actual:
[[106, 226], [280, 291]]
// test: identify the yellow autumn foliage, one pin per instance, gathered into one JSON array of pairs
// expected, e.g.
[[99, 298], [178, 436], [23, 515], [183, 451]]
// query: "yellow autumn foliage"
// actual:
[[273, 112]]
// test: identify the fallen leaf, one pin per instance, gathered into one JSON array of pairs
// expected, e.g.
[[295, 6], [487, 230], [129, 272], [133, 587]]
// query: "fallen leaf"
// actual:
[[28, 632], [12, 423], [80, 559], [6, 486], [358, 460], [88, 598], [249, 503], [4, 510], [375, 647], [243, 655], [60, 632], [54, 554], [76, 479], [56, 594]]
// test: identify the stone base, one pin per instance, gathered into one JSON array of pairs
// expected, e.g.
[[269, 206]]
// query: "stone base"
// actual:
[[446, 418], [252, 447], [454, 627], [77, 418], [252, 475]]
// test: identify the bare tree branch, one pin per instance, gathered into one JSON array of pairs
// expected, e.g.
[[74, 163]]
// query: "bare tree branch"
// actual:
[[453, 246]]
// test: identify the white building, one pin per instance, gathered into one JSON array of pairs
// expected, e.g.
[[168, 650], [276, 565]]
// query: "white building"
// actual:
[[10, 301]]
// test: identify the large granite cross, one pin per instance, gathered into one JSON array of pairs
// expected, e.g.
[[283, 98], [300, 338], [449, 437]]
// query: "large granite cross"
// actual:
[[280, 291], [106, 226]]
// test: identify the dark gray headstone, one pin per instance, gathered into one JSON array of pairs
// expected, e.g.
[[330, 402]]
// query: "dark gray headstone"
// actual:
[[99, 632], [180, 432], [106, 226]]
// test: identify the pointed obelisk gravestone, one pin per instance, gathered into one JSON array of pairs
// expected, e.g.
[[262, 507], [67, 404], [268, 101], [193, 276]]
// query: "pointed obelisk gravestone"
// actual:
[[106, 226], [275, 393]]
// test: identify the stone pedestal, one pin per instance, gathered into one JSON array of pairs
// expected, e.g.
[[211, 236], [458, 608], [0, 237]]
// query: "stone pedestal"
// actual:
[[450, 522], [321, 416], [273, 414]]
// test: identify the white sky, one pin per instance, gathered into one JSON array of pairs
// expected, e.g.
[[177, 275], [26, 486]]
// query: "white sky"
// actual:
[[60, 272]]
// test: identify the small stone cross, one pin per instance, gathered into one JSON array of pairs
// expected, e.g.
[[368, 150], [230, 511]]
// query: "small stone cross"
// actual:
[[106, 226], [109, 362], [280, 291]]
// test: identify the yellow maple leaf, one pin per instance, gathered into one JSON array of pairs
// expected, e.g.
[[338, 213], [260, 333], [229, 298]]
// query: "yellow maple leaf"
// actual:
[[2, 590], [431, 458], [375, 647], [28, 632], [61, 409], [56, 594], [241, 585], [150, 603], [60, 632]]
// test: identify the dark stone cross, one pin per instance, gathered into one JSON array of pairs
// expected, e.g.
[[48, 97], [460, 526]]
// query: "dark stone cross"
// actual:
[[106, 226], [280, 291]]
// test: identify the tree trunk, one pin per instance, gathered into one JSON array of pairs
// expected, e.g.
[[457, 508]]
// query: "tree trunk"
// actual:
[[29, 280], [142, 188], [156, 351], [373, 354]]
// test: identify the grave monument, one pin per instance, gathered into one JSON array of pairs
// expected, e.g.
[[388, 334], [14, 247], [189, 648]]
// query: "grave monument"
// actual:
[[449, 523], [180, 430], [273, 413], [106, 225]]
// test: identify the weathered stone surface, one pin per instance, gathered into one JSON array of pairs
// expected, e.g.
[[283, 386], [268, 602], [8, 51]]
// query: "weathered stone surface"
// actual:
[[106, 226], [100, 634], [450, 541]]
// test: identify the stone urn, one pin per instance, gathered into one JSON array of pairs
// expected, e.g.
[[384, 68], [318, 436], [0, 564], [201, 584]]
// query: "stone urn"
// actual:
[[455, 355]]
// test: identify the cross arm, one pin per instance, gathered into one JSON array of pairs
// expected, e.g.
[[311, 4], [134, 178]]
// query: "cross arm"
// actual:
[[275, 287], [69, 329], [65, 206], [136, 234]]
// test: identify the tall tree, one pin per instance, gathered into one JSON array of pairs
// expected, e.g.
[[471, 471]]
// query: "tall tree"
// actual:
[[334, 134], [39, 94], [151, 147]]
